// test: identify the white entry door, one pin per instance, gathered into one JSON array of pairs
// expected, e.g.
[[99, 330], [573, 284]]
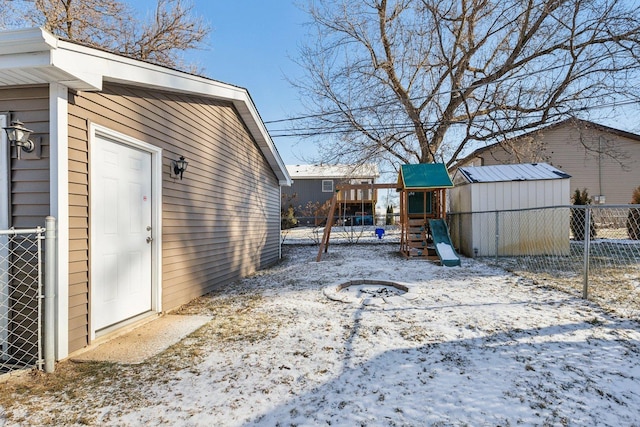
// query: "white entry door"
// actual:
[[121, 248]]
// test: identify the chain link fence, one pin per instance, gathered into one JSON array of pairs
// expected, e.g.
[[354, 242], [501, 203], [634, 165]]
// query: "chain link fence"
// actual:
[[346, 229], [21, 299], [591, 251]]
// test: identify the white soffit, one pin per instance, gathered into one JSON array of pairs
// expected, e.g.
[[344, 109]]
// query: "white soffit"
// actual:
[[27, 57]]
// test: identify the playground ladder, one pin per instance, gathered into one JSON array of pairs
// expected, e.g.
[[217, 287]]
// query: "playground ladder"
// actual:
[[416, 239]]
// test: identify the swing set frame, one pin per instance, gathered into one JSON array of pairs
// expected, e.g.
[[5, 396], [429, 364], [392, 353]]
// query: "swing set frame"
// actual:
[[335, 200], [430, 181]]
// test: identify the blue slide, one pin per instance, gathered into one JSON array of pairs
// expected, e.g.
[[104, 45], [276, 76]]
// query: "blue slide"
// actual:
[[442, 241]]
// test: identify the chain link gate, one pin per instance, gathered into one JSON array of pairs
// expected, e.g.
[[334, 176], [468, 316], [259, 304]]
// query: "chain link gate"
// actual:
[[22, 297]]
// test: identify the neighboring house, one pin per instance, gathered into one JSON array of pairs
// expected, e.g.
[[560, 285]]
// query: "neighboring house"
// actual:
[[314, 185], [133, 239], [603, 160]]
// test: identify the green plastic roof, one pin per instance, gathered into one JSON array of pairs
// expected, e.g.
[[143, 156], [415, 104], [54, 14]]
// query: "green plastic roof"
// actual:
[[424, 176]]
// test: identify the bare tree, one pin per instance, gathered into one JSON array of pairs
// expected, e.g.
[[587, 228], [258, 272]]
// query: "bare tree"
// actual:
[[411, 81], [174, 28], [112, 25], [5, 17]]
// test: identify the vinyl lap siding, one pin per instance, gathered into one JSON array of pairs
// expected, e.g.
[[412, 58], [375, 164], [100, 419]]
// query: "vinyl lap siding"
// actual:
[[222, 221], [29, 205], [29, 176], [613, 174], [575, 151], [78, 233], [308, 191]]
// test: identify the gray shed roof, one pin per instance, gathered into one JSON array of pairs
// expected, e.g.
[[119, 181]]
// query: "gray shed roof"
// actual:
[[505, 173]]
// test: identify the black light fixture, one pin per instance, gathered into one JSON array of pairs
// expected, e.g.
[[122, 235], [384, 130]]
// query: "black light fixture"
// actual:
[[18, 135], [179, 166]]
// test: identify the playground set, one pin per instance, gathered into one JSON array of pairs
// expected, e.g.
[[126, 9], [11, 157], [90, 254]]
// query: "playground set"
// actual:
[[422, 188]]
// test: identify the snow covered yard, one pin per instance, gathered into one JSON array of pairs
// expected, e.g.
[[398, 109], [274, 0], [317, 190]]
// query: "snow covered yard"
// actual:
[[473, 345]]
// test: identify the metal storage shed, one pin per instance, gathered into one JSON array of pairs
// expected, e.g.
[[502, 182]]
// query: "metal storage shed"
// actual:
[[495, 209]]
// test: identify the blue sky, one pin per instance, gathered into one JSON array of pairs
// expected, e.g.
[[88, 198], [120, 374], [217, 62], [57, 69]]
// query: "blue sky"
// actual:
[[252, 44]]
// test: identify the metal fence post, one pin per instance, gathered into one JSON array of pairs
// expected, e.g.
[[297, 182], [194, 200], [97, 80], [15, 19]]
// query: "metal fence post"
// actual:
[[459, 231], [587, 244], [50, 268], [497, 233]]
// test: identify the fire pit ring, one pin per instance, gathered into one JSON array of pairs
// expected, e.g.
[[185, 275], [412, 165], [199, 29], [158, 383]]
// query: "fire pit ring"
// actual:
[[370, 292]]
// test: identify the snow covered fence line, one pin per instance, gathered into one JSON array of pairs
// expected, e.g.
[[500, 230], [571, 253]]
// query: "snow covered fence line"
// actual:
[[591, 251], [356, 234]]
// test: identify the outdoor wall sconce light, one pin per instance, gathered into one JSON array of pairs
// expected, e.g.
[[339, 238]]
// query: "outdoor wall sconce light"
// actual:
[[179, 166], [18, 136]]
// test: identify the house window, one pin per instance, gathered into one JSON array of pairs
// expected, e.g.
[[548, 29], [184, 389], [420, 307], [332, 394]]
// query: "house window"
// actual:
[[327, 186]]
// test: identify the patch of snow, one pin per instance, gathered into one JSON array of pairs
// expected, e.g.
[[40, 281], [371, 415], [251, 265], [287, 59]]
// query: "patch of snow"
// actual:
[[446, 252], [475, 346], [478, 346], [341, 235]]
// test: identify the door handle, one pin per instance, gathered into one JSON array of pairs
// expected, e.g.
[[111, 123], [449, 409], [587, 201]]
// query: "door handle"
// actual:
[[149, 239]]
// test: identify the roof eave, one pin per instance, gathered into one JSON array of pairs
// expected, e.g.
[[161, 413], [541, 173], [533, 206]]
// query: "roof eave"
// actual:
[[26, 40], [51, 60], [32, 56]]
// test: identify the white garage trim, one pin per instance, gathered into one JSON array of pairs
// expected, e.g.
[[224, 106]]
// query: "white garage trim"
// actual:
[[59, 201], [96, 131]]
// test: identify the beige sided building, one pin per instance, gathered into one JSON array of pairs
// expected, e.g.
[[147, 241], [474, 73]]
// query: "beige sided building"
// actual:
[[603, 160]]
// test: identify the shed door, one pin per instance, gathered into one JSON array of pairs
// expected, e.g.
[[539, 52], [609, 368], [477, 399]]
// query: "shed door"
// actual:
[[121, 285], [4, 250]]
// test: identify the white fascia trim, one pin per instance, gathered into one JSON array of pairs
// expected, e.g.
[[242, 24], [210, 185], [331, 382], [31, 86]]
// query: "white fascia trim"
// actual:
[[86, 68], [250, 115], [59, 202], [26, 40], [89, 72], [83, 61], [25, 60]]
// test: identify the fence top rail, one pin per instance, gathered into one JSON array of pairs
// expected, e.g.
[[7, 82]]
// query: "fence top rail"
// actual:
[[14, 232], [625, 206], [594, 207]]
